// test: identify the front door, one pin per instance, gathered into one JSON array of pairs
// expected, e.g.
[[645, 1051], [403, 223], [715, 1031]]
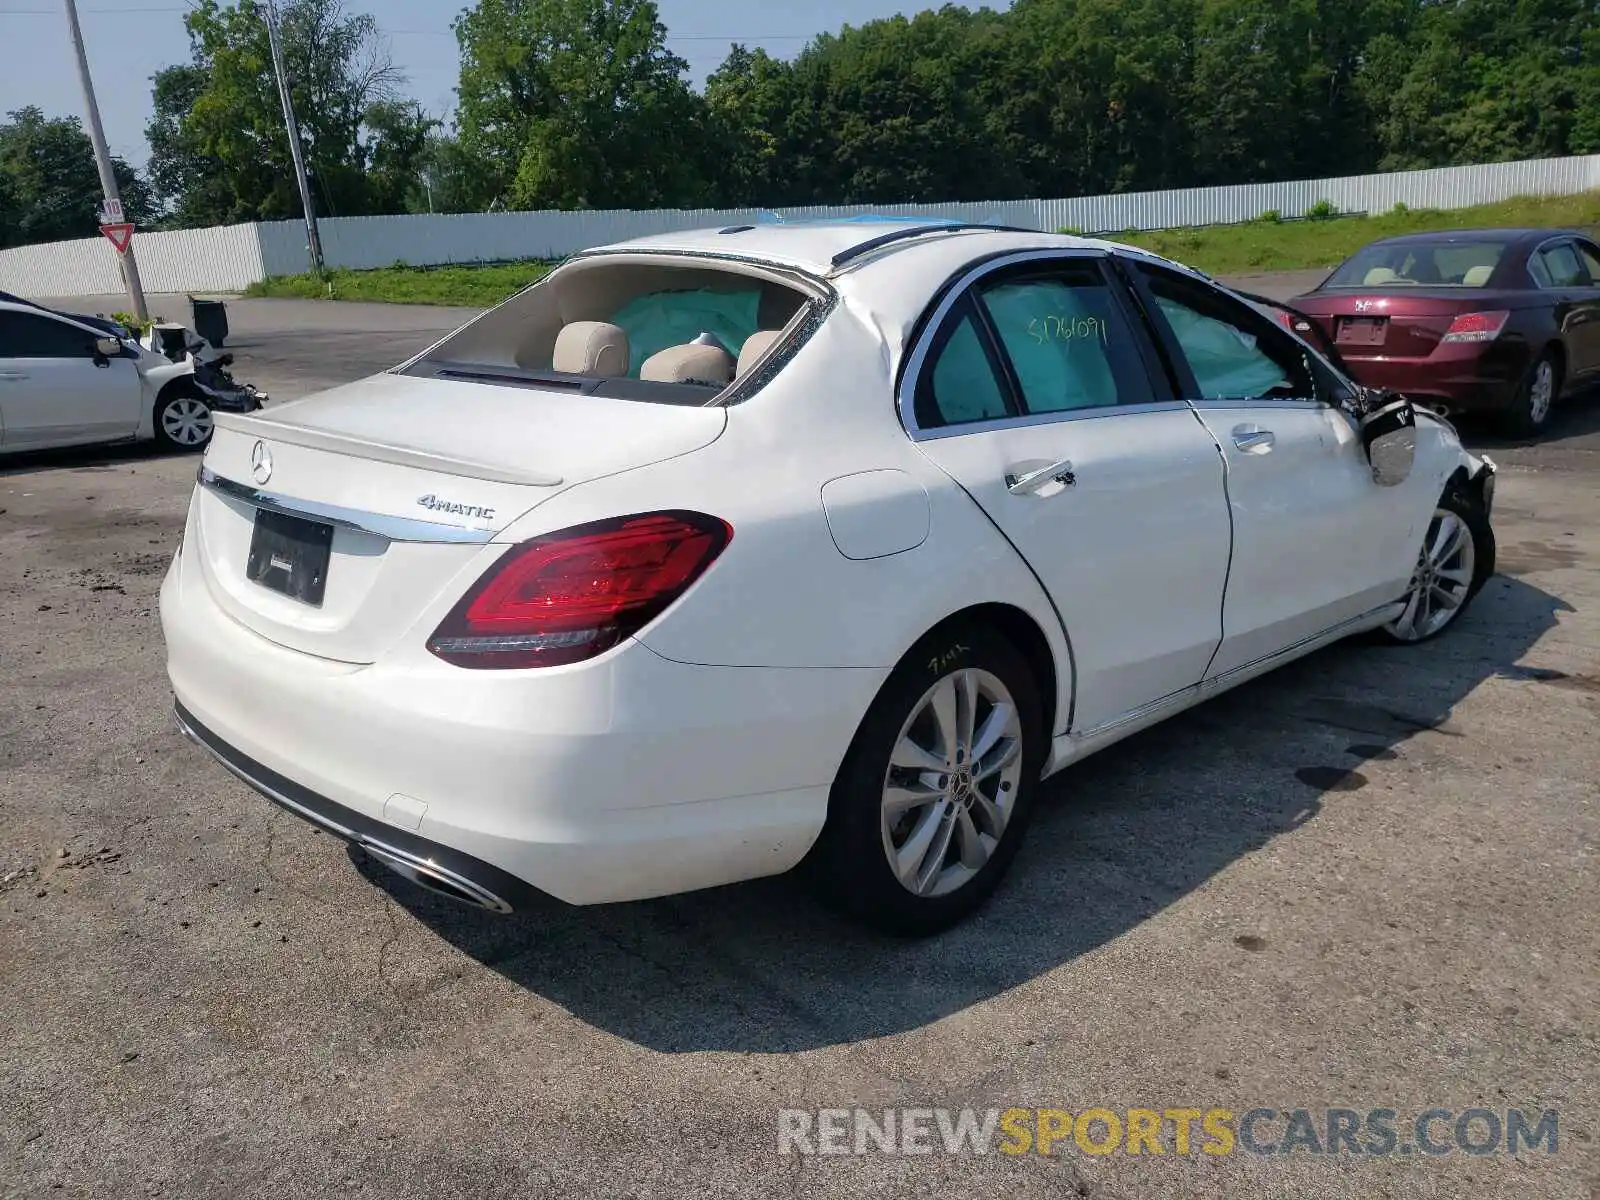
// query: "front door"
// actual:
[[1315, 542], [1035, 396]]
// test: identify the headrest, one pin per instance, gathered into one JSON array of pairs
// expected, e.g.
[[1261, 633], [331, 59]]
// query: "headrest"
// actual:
[[1478, 276], [591, 348], [689, 364], [1380, 275], [757, 344]]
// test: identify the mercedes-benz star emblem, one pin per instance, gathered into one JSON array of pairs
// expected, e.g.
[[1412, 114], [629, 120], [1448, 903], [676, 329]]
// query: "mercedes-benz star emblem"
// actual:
[[261, 462]]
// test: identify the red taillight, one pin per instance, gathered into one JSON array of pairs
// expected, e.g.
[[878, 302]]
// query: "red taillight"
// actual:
[[1477, 327], [571, 595]]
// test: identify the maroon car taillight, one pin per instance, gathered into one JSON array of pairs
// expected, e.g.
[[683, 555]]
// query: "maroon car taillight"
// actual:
[[573, 594], [1477, 326]]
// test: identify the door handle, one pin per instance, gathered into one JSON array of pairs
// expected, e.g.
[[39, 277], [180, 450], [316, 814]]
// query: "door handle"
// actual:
[[1024, 482], [12, 375], [1253, 439]]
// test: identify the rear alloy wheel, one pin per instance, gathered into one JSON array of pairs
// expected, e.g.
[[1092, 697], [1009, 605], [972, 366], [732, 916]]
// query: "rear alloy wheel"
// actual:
[[931, 802], [183, 421], [1530, 412], [1456, 557]]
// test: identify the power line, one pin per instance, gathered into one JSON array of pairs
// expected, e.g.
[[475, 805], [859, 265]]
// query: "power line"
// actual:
[[99, 12]]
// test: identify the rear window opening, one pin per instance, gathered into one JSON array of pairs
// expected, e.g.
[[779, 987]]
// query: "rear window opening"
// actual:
[[1432, 264], [633, 327]]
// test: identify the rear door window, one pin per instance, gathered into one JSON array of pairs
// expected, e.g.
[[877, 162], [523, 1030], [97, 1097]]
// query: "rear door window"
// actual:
[[1065, 338], [964, 385]]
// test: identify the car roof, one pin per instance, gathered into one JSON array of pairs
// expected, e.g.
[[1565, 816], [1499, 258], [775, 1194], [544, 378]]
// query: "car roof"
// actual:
[[826, 247], [1512, 235]]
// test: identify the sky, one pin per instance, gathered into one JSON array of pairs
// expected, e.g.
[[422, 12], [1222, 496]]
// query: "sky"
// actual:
[[130, 40]]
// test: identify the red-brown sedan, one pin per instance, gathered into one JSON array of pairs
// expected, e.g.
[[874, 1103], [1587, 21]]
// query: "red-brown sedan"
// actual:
[[1487, 320]]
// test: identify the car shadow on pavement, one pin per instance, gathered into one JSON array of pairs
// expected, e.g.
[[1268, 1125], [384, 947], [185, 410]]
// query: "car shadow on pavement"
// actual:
[[762, 968], [86, 458], [1577, 416]]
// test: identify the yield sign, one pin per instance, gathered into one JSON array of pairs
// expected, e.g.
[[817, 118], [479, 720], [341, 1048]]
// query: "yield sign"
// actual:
[[120, 235]]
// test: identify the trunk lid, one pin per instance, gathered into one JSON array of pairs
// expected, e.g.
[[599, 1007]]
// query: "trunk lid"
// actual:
[[1377, 324], [400, 483]]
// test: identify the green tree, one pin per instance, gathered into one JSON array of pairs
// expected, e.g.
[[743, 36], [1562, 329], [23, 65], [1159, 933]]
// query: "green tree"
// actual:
[[1489, 80], [579, 104], [396, 145], [900, 109], [51, 189], [220, 152], [748, 102]]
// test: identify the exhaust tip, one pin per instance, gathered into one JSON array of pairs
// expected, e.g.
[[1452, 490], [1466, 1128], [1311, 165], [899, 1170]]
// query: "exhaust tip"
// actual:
[[426, 873]]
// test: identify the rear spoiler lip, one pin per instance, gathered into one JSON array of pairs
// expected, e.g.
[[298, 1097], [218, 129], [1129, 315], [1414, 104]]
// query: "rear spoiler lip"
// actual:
[[400, 456]]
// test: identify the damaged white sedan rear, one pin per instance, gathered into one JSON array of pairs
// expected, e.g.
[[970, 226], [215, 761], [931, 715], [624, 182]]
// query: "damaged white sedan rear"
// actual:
[[718, 553]]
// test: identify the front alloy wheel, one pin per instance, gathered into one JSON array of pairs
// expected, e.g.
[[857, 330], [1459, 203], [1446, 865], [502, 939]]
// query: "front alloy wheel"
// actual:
[[1450, 568]]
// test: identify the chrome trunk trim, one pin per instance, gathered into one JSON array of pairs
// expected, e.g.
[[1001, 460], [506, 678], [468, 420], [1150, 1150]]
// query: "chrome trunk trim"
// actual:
[[395, 529]]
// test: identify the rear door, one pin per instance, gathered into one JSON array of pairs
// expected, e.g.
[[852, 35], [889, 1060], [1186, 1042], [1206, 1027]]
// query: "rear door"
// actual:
[[53, 389], [1032, 388], [1559, 271], [1314, 540], [1583, 349]]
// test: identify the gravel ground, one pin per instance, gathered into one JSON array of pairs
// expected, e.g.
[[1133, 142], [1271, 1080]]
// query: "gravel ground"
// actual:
[[1368, 881]]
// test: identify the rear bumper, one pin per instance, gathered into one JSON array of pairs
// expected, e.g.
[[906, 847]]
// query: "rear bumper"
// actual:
[[627, 777], [443, 869], [1481, 382]]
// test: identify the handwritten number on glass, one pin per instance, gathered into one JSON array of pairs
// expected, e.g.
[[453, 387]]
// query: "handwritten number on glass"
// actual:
[[1054, 328]]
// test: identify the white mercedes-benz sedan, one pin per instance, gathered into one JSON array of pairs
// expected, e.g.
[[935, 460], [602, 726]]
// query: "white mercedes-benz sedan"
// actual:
[[719, 553]]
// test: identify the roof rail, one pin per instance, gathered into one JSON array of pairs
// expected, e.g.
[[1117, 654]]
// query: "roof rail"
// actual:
[[851, 253]]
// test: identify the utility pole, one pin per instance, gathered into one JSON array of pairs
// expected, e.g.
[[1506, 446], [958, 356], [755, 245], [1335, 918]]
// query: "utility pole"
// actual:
[[313, 242], [102, 158]]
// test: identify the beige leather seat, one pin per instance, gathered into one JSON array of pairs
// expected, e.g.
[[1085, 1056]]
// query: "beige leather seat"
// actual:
[[1477, 276], [690, 363], [591, 348], [756, 345], [1380, 275]]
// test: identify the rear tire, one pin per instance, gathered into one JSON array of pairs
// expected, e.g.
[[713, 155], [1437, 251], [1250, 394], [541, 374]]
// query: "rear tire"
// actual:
[[1529, 414], [1455, 561], [182, 420], [941, 778]]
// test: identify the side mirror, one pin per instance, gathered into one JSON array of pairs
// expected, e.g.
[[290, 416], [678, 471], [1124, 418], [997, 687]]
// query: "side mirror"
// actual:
[[106, 348], [1389, 436]]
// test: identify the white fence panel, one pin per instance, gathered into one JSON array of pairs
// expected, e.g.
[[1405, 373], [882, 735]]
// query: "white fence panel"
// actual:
[[1441, 187], [226, 258], [361, 243], [232, 257]]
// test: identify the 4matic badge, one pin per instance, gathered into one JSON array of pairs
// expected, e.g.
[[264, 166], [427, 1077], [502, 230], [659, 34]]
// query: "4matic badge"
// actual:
[[440, 505]]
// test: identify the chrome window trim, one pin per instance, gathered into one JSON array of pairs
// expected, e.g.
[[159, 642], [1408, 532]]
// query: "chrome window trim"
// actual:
[[1301, 402], [905, 399], [395, 529], [1056, 418]]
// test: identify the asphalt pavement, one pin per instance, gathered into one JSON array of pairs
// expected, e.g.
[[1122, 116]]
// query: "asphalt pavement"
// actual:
[[1366, 881]]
